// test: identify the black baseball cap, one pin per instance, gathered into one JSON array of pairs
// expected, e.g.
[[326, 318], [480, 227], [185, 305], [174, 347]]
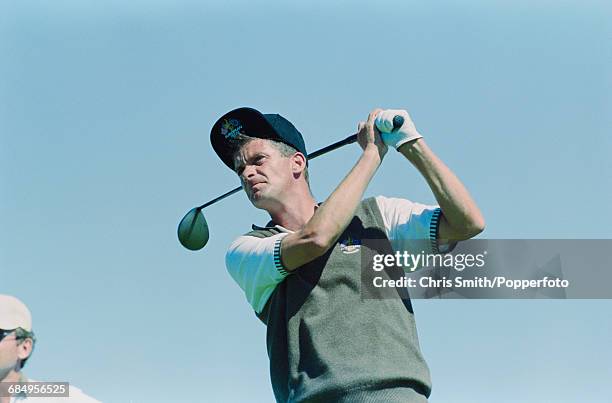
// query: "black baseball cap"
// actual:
[[251, 122]]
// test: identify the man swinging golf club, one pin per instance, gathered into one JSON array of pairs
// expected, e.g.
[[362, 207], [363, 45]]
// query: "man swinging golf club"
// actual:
[[301, 273]]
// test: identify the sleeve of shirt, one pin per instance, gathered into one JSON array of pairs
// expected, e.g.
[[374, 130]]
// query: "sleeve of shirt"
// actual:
[[411, 226], [255, 264]]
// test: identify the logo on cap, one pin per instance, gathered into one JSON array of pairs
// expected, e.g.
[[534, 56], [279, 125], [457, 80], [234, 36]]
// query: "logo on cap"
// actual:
[[231, 128]]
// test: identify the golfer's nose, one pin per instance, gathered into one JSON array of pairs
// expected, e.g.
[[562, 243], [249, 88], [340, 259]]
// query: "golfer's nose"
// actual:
[[248, 172]]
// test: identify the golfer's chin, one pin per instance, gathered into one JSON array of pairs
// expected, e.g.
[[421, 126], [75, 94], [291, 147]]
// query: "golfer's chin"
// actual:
[[259, 199], [265, 202]]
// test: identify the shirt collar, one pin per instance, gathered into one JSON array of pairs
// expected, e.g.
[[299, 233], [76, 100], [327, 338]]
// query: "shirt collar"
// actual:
[[272, 225]]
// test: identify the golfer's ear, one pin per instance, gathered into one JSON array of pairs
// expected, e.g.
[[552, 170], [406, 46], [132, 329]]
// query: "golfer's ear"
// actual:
[[298, 162], [25, 349]]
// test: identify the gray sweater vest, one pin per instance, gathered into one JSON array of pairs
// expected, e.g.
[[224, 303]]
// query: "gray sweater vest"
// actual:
[[327, 343]]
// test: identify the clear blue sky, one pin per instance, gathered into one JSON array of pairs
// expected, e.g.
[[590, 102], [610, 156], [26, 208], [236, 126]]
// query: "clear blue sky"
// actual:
[[105, 112]]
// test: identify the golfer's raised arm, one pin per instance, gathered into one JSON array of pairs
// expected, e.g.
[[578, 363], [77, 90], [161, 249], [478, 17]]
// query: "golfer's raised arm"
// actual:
[[461, 218], [331, 218]]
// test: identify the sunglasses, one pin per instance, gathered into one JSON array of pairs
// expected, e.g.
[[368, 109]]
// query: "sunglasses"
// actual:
[[4, 333]]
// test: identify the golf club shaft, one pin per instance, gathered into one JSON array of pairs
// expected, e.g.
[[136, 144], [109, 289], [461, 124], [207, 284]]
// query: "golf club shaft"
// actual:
[[398, 121], [350, 139], [223, 196]]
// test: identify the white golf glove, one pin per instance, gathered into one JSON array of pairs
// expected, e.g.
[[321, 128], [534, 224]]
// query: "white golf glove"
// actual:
[[395, 138]]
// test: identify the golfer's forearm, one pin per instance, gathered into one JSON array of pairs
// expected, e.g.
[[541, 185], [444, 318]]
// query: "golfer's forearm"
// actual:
[[458, 207], [332, 217]]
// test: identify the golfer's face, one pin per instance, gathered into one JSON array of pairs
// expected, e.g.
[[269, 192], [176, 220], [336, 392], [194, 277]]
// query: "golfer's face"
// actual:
[[263, 171]]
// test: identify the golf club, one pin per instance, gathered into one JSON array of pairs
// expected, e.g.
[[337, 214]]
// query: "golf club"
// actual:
[[193, 229]]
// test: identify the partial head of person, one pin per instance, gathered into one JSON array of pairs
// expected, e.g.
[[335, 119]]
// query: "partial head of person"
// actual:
[[16, 336], [267, 153]]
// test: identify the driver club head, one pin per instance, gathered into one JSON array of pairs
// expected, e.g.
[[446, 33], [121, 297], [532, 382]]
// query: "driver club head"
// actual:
[[193, 230]]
